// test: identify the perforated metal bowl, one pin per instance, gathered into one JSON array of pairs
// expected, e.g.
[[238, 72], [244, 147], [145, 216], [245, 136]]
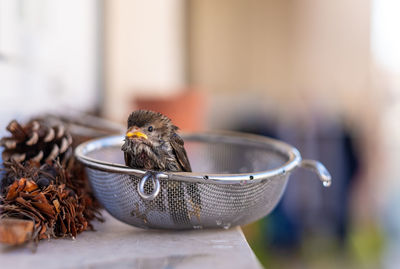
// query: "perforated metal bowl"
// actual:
[[238, 178]]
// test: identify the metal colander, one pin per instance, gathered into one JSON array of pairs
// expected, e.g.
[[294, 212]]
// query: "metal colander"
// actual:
[[237, 179]]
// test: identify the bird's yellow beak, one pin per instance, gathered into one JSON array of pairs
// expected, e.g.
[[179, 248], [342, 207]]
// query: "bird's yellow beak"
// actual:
[[136, 134]]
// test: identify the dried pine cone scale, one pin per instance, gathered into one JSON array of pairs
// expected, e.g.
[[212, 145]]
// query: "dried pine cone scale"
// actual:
[[36, 141]]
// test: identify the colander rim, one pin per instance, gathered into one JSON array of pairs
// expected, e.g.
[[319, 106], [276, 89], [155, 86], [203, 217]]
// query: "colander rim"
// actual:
[[293, 155]]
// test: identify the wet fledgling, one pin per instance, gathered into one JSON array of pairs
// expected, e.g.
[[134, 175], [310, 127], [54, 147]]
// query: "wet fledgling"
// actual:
[[151, 143]]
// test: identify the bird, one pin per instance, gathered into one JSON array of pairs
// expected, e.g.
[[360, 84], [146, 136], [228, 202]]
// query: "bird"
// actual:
[[152, 143]]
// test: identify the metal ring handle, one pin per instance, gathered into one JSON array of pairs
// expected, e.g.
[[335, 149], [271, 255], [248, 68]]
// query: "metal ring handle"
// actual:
[[319, 169], [156, 186]]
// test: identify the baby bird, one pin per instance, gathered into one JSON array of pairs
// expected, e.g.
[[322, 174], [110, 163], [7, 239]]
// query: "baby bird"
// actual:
[[151, 143]]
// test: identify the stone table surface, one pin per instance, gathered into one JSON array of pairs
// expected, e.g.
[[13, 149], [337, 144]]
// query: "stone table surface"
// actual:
[[117, 245]]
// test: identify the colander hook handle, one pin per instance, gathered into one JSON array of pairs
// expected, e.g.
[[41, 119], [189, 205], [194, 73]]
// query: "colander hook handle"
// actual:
[[319, 169], [156, 186]]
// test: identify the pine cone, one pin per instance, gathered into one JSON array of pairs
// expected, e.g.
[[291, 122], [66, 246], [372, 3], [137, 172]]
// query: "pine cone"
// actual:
[[37, 141], [42, 183]]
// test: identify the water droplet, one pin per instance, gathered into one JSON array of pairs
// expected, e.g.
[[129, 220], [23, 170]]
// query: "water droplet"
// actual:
[[226, 226], [284, 171], [197, 227], [326, 183], [219, 222], [205, 177]]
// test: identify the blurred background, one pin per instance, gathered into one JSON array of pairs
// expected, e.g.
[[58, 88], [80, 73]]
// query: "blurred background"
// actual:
[[321, 75]]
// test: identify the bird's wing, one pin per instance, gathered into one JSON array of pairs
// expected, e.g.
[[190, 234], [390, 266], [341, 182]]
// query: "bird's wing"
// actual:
[[180, 152], [128, 159]]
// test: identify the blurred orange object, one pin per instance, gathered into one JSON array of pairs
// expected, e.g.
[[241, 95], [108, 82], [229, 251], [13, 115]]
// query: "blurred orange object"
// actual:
[[187, 110], [15, 231]]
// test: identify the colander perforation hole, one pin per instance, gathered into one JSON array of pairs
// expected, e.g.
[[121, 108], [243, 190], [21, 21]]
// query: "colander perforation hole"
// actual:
[[148, 186]]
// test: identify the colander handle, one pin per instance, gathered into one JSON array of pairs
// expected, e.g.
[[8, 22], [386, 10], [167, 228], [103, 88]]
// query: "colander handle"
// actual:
[[156, 186], [319, 169]]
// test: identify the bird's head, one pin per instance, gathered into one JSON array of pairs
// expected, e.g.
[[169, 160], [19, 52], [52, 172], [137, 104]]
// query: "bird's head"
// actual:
[[149, 128]]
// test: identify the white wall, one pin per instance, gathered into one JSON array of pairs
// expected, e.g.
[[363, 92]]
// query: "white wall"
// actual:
[[50, 57], [145, 51]]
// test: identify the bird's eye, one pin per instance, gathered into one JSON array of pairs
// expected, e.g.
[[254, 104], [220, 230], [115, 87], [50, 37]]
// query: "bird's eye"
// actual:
[[150, 129]]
